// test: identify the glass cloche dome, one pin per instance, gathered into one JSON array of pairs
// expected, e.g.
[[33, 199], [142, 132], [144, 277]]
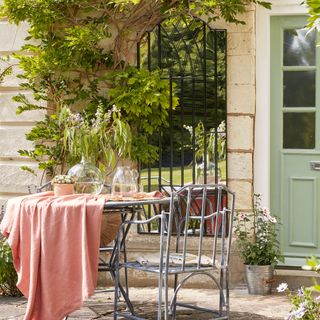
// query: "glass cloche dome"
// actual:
[[88, 178]]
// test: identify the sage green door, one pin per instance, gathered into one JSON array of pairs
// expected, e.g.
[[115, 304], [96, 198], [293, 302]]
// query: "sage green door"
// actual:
[[295, 137]]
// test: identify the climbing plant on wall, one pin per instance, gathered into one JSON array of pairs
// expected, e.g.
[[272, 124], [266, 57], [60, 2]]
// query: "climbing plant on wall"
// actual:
[[79, 54]]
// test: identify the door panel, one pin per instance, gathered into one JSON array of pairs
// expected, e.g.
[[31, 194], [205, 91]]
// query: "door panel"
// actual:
[[295, 137]]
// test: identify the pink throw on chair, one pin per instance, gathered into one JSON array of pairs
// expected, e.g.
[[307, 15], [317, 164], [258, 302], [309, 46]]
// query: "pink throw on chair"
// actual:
[[55, 246]]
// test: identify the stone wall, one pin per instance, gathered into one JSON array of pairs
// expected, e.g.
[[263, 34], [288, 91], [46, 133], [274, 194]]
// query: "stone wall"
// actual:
[[13, 181]]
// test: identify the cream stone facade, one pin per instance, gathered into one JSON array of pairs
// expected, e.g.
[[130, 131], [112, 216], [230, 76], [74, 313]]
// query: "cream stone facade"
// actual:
[[13, 181], [247, 132]]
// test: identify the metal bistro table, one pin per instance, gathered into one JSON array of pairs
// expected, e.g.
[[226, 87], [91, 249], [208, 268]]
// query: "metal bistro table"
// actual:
[[128, 209]]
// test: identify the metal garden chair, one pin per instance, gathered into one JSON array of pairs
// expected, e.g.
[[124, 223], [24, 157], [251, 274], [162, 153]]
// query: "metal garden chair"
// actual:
[[204, 205]]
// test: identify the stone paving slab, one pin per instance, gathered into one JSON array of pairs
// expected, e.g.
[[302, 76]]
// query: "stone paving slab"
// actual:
[[99, 306]]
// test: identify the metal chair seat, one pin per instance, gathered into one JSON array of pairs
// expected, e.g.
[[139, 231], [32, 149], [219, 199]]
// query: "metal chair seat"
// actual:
[[171, 269]]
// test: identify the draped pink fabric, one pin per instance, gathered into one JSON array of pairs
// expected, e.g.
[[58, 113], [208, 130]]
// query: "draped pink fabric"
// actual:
[[55, 247]]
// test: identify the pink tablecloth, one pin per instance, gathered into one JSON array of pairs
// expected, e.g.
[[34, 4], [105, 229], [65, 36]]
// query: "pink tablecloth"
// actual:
[[55, 246]]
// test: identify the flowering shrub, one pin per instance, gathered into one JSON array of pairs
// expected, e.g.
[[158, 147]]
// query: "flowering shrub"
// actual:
[[304, 305], [63, 179], [256, 234]]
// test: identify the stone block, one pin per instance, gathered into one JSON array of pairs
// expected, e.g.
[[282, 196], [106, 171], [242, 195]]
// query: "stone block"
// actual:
[[241, 44], [241, 98], [239, 165], [8, 108], [12, 138], [11, 80], [240, 132], [12, 36], [243, 191], [241, 70], [15, 180]]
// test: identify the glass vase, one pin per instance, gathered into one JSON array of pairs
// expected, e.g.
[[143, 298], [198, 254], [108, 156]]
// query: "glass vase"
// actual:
[[88, 178]]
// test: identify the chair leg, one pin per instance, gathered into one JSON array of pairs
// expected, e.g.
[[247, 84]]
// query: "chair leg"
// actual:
[[160, 296], [227, 294], [116, 295], [173, 303], [166, 303], [125, 269], [221, 299]]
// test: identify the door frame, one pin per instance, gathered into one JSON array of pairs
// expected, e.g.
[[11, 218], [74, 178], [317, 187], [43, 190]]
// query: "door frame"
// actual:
[[262, 155]]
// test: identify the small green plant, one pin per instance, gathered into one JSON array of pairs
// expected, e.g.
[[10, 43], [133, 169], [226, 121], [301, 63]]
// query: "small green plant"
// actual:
[[8, 275], [305, 303], [256, 234], [63, 179]]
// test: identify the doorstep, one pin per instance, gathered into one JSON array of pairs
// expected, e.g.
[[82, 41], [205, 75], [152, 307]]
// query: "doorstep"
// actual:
[[295, 277]]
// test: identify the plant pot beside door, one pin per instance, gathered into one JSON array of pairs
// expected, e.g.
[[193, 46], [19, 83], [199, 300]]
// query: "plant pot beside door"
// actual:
[[258, 246], [259, 279]]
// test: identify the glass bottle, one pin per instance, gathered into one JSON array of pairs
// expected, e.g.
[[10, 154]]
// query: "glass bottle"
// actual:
[[124, 181]]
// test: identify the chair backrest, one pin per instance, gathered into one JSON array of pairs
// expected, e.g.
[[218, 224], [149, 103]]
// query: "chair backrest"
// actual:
[[203, 207]]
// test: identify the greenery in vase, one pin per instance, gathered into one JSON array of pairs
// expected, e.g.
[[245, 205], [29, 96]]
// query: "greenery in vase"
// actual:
[[101, 138], [256, 236]]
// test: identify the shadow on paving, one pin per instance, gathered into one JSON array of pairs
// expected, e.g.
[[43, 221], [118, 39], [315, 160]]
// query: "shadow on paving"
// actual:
[[148, 311]]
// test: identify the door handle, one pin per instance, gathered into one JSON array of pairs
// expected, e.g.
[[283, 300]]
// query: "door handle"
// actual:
[[315, 165]]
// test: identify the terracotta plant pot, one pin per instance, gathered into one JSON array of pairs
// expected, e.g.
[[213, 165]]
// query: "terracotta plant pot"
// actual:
[[61, 189]]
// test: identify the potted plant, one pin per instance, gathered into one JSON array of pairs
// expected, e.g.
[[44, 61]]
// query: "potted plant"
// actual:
[[258, 245], [63, 185]]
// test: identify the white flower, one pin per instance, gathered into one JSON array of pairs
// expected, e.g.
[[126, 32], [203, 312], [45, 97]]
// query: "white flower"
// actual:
[[78, 117], [189, 128], [308, 268], [266, 211], [299, 313], [273, 219], [282, 287], [300, 292], [222, 126]]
